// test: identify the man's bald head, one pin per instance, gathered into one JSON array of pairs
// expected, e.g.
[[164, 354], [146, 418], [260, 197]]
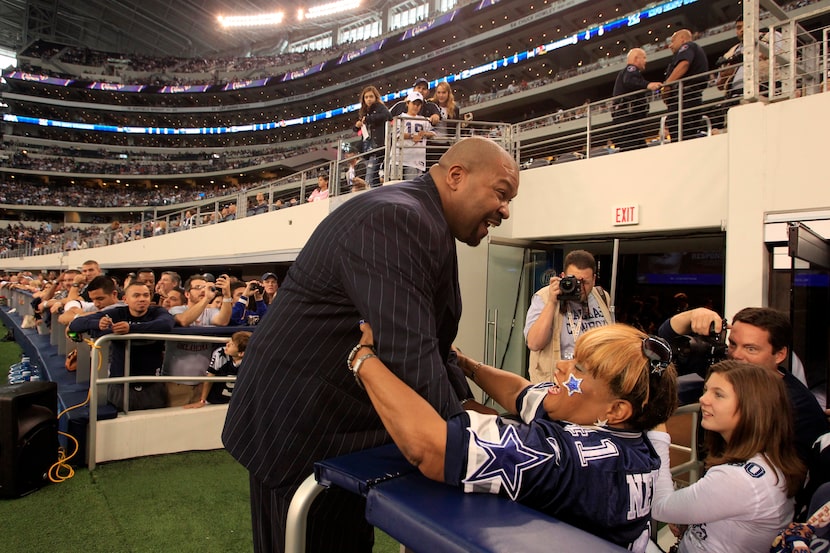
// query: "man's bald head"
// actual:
[[476, 180], [680, 38], [637, 58], [474, 153]]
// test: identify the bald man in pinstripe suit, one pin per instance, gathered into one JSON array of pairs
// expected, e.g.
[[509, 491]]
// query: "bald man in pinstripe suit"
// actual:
[[387, 256]]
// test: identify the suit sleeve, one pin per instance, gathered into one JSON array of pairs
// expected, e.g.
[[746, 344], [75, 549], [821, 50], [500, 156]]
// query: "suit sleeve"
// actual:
[[395, 268]]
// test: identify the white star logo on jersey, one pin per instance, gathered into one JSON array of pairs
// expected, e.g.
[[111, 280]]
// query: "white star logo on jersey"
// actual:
[[506, 461]]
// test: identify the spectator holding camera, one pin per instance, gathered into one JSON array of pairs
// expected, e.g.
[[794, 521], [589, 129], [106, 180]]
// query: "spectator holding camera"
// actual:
[[192, 358], [759, 335], [560, 312], [200, 293], [730, 79], [248, 303]]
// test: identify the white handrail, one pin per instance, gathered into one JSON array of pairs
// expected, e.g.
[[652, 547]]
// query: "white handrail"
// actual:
[[95, 380]]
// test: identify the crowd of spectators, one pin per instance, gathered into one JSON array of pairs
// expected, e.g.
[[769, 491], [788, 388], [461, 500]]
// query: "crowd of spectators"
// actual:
[[200, 120], [168, 70], [109, 162], [21, 192], [89, 302]]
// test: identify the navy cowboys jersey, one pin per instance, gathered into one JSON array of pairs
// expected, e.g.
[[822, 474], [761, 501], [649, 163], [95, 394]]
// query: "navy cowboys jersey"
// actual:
[[598, 479]]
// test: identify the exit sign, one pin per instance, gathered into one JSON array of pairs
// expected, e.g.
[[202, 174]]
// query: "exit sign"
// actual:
[[626, 215]]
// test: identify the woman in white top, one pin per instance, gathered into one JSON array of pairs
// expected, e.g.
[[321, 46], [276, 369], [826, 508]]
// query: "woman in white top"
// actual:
[[752, 474]]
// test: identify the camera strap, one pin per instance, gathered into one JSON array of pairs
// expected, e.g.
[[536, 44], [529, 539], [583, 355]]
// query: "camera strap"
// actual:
[[575, 329]]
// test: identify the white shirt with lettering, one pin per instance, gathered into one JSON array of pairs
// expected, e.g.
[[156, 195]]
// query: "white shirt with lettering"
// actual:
[[734, 508]]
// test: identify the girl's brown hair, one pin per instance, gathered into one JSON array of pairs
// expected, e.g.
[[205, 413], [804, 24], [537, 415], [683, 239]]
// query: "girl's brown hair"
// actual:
[[364, 109], [765, 422]]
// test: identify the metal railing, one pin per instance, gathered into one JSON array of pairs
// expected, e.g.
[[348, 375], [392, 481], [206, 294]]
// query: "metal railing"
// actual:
[[399, 150], [694, 465], [98, 363]]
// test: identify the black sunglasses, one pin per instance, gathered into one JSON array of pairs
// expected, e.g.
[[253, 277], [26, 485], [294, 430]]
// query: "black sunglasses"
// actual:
[[658, 352]]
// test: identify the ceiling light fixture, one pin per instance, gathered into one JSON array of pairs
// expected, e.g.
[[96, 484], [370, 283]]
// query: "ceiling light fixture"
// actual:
[[261, 20], [331, 8]]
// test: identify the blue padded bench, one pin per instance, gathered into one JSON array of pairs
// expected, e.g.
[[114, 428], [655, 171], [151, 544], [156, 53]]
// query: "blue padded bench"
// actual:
[[429, 516]]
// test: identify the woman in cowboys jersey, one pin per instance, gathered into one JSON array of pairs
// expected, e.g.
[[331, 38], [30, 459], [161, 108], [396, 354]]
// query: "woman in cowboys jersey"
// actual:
[[577, 450]]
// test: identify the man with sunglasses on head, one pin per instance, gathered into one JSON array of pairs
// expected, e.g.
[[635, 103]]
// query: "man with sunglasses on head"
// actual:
[[759, 335], [560, 312]]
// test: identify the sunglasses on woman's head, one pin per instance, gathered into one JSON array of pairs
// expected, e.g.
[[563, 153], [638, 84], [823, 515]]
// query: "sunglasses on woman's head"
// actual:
[[658, 352]]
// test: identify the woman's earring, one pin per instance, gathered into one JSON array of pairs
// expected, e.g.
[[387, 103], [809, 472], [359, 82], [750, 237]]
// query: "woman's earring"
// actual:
[[601, 423]]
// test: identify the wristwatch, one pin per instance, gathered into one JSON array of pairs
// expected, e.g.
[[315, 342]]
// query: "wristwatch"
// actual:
[[356, 368], [358, 364]]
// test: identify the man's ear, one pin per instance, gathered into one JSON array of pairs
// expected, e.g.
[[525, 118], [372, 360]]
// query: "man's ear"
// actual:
[[780, 355], [455, 176]]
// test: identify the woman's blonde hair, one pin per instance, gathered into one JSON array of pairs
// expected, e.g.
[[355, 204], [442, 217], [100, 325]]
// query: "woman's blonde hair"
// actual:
[[614, 354], [451, 109], [765, 422]]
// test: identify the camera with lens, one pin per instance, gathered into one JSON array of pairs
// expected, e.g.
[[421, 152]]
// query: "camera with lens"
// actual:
[[570, 289], [257, 288], [695, 353], [734, 60]]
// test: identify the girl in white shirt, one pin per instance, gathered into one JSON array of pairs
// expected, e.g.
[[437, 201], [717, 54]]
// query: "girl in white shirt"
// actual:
[[753, 472]]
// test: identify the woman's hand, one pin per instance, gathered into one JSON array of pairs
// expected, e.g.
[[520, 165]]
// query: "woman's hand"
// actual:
[[368, 338]]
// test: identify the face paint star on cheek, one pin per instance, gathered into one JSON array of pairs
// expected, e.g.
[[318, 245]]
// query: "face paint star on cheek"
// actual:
[[574, 385]]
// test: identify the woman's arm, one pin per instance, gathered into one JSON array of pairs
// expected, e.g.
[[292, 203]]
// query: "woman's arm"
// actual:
[[719, 495], [503, 386], [417, 429]]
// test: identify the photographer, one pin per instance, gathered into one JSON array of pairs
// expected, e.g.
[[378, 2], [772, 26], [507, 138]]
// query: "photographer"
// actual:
[[731, 77], [192, 358], [561, 311], [200, 293], [759, 335], [248, 304]]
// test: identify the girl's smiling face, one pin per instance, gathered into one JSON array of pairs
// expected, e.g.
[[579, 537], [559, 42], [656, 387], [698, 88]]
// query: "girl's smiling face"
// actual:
[[719, 406]]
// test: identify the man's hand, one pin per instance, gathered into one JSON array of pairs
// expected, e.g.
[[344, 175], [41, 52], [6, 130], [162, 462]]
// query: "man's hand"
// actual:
[[104, 323], [121, 327], [223, 283], [553, 291], [701, 320]]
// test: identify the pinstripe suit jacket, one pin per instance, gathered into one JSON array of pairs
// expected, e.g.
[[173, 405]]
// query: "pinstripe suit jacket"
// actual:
[[386, 256]]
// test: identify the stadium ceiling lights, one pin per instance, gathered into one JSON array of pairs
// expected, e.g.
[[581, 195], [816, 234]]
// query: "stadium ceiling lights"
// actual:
[[261, 20], [324, 10], [266, 19]]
